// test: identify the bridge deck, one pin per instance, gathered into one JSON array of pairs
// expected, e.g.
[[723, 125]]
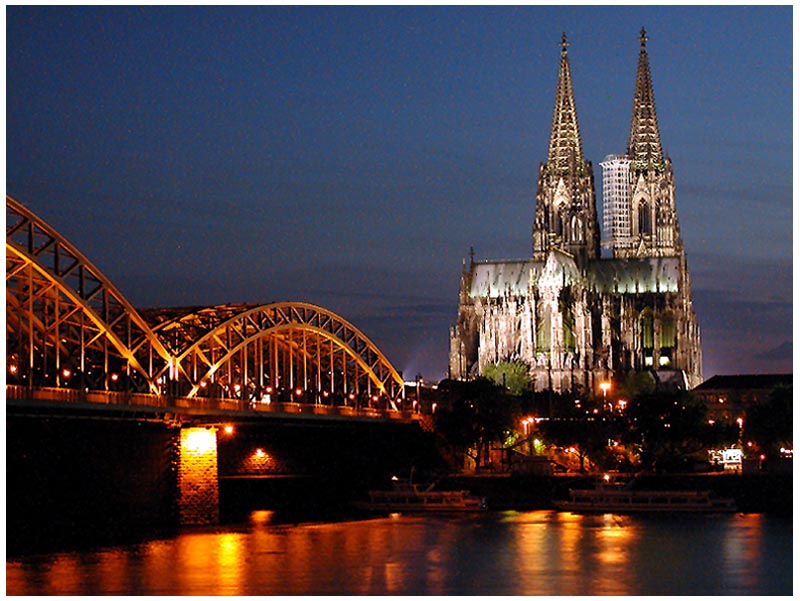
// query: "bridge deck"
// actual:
[[20, 397]]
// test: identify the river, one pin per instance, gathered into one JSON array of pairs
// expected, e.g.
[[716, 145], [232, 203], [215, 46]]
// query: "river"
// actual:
[[496, 553]]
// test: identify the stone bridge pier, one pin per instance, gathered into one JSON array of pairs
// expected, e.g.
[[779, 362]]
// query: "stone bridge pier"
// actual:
[[197, 476]]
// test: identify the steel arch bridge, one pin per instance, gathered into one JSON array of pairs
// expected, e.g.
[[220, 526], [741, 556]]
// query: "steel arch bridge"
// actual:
[[69, 327]]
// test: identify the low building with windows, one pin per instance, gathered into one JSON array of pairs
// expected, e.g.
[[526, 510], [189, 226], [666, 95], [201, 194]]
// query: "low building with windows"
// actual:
[[728, 398]]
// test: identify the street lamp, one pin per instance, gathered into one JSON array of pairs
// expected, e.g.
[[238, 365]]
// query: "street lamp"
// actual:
[[740, 422], [418, 403], [604, 386], [526, 424]]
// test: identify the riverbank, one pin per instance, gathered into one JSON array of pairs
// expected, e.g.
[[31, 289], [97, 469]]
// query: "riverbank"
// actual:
[[754, 493]]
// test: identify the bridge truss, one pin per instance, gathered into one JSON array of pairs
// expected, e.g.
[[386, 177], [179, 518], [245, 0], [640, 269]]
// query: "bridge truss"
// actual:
[[291, 352], [66, 323], [69, 327]]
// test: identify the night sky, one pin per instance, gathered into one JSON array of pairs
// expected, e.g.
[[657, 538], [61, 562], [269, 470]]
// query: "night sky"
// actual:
[[350, 157]]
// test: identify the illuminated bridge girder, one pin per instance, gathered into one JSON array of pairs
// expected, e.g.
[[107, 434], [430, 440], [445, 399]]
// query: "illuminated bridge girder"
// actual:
[[67, 325], [280, 351]]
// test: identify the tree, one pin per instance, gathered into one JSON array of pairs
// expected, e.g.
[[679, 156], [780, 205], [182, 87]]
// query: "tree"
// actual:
[[575, 425], [513, 375], [636, 383], [770, 424], [667, 427], [478, 413]]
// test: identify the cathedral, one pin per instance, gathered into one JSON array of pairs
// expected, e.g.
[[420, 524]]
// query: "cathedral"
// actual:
[[574, 316]]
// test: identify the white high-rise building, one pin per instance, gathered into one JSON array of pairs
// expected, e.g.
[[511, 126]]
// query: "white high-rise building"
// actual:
[[616, 201]]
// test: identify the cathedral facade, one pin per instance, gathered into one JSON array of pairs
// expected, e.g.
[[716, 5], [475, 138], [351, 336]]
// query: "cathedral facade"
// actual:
[[577, 318]]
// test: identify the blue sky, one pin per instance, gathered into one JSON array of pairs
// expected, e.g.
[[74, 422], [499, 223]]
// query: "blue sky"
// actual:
[[350, 157]]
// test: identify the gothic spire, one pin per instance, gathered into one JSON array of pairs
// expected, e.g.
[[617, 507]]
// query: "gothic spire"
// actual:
[[565, 139], [644, 144]]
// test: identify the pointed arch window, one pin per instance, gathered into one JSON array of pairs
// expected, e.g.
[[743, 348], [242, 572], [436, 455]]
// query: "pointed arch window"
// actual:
[[565, 308], [544, 330], [646, 336], [668, 339], [568, 325], [645, 225], [576, 227]]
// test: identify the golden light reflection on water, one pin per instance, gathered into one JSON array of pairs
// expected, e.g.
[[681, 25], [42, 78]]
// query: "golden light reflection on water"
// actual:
[[614, 541], [586, 555], [511, 553], [738, 553], [262, 517]]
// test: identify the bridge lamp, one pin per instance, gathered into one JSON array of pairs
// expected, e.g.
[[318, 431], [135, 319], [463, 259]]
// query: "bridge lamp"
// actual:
[[228, 429], [114, 377], [66, 373], [199, 440], [298, 392], [12, 368]]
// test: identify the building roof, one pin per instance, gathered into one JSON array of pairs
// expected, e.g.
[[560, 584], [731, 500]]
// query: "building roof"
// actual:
[[746, 382], [632, 276], [616, 276], [499, 278]]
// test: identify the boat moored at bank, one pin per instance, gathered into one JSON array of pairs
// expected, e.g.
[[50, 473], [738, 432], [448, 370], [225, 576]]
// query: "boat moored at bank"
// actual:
[[406, 496], [608, 497]]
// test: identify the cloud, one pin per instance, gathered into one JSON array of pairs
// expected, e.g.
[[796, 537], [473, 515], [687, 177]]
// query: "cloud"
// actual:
[[779, 353]]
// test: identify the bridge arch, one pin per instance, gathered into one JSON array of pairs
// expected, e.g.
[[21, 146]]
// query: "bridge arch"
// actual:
[[69, 327], [279, 351], [67, 324]]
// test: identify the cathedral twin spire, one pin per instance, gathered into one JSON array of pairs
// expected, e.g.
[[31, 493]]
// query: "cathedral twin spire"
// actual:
[[565, 140], [644, 143], [566, 217]]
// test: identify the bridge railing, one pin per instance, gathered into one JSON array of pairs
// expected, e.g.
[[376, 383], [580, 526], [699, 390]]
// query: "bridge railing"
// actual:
[[134, 399]]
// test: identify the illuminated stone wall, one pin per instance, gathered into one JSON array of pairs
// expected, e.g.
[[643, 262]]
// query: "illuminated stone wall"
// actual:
[[198, 478], [575, 325]]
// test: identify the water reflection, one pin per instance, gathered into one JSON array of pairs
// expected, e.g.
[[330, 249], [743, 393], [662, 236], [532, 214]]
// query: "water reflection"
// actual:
[[741, 552], [582, 555], [527, 553]]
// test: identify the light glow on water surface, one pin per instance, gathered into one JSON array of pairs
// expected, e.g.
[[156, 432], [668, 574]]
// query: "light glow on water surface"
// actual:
[[500, 553]]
